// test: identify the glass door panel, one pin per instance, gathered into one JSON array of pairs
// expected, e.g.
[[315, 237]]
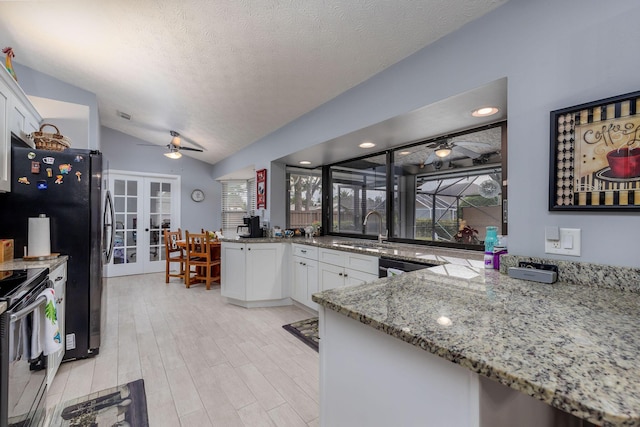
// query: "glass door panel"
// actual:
[[144, 207]]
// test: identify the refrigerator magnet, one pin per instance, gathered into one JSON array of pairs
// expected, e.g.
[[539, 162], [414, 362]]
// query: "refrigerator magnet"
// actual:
[[24, 180], [58, 179], [78, 159], [41, 184], [48, 160], [78, 174], [31, 155], [35, 167], [65, 168], [49, 172]]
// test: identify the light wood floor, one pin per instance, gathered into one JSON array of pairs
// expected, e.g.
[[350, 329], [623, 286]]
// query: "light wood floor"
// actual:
[[204, 362]]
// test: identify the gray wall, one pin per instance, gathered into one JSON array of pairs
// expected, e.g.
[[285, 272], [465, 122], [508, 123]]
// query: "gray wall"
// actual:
[[44, 86], [122, 152], [555, 54]]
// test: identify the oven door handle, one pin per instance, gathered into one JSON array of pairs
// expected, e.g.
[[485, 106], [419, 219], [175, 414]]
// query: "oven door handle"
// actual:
[[30, 308]]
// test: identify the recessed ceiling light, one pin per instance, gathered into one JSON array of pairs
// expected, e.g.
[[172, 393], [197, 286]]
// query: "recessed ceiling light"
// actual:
[[484, 111], [367, 145], [404, 153], [305, 162]]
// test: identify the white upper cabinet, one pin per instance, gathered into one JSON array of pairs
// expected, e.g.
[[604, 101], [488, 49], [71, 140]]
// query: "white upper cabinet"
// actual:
[[18, 116]]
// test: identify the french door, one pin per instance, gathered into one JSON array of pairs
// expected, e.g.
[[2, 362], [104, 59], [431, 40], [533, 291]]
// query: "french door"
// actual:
[[144, 205]]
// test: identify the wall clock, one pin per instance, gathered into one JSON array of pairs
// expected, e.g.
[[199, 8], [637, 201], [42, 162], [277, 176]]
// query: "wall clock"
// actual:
[[197, 195]]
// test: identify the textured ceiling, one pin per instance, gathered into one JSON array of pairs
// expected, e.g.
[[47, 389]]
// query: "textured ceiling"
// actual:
[[222, 73]]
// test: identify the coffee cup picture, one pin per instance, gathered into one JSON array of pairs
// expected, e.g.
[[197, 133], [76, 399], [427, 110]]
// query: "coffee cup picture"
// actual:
[[624, 162]]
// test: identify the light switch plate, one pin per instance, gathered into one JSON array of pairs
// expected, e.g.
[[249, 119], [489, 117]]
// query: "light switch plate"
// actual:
[[568, 244]]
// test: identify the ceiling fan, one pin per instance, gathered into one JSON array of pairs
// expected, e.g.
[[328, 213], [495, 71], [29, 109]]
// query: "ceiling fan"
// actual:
[[176, 145], [446, 148]]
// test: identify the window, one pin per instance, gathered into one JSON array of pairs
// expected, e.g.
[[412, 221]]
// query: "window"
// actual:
[[238, 200], [443, 191], [305, 198], [450, 199], [357, 188]]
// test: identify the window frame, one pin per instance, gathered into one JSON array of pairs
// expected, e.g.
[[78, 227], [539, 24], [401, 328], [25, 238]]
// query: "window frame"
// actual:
[[327, 189]]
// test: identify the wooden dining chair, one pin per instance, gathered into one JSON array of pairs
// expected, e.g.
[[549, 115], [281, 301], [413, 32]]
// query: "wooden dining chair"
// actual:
[[200, 264], [173, 253]]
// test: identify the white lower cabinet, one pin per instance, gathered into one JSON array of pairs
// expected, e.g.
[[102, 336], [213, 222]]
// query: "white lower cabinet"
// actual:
[[339, 269], [59, 279], [253, 274], [18, 116], [305, 274]]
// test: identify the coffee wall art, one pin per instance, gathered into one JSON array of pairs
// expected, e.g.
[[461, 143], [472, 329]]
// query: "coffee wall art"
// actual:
[[595, 155]]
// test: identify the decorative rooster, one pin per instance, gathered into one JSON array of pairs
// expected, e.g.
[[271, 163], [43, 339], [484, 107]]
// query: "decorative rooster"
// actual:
[[7, 61]]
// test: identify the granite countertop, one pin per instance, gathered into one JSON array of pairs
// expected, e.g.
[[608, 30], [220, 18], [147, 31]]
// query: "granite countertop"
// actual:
[[572, 346], [406, 252], [3, 306], [19, 263]]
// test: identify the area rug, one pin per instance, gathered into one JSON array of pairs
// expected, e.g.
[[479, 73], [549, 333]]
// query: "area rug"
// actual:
[[125, 405], [306, 331]]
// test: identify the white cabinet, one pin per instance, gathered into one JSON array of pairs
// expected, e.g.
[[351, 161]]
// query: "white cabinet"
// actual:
[[338, 269], [18, 116], [5, 139], [254, 275], [233, 274], [305, 274], [59, 279]]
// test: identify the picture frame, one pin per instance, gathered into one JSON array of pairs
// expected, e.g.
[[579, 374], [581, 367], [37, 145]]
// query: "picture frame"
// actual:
[[261, 189], [595, 156]]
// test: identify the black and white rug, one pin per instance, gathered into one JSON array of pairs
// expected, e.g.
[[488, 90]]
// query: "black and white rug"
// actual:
[[305, 330], [123, 406]]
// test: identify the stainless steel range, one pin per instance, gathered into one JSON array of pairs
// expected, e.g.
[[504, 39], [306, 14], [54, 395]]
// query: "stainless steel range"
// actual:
[[22, 373]]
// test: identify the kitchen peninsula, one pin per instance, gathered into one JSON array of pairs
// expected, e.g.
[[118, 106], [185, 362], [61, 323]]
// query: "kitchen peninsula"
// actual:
[[573, 347]]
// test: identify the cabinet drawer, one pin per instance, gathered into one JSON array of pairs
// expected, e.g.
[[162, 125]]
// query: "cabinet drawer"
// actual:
[[332, 257], [305, 251], [364, 263], [59, 275]]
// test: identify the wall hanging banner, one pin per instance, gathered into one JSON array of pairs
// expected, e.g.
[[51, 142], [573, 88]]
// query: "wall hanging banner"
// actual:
[[261, 189]]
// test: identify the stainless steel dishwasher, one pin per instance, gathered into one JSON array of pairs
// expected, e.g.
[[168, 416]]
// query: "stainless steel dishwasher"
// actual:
[[388, 266]]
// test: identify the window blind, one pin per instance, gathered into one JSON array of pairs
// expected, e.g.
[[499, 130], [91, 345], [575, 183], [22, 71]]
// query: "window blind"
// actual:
[[238, 200]]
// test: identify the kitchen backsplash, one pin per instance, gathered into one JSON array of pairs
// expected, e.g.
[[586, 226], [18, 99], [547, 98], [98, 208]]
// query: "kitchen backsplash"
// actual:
[[582, 273]]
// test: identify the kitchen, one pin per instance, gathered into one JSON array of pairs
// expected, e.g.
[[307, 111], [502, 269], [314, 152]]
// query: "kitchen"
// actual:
[[516, 41]]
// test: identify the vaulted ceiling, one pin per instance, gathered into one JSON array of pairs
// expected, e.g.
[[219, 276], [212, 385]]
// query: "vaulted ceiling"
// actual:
[[222, 73]]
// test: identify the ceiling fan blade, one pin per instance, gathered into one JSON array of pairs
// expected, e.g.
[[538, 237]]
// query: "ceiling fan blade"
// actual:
[[190, 149], [466, 152], [431, 158]]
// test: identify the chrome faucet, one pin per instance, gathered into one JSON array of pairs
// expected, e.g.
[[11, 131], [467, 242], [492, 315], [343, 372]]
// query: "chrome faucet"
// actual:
[[381, 237]]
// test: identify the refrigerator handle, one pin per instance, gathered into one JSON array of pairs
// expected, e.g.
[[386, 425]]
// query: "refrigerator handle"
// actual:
[[109, 225]]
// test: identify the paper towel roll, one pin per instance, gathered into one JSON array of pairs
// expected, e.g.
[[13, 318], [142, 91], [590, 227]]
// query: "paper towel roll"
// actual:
[[39, 242]]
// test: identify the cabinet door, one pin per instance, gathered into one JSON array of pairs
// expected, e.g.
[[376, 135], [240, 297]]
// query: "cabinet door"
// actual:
[[299, 280], [355, 277], [17, 118], [5, 140], [59, 279], [264, 271], [330, 276], [232, 282], [312, 282]]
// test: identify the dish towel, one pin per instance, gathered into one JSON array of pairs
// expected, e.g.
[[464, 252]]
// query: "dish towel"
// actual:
[[393, 272], [45, 337]]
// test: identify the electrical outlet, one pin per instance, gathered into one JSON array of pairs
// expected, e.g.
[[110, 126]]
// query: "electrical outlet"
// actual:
[[567, 244]]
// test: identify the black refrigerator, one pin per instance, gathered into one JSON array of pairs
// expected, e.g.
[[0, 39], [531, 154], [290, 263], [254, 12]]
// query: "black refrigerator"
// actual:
[[66, 186]]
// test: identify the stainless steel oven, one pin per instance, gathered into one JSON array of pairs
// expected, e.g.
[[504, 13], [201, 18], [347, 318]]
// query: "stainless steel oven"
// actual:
[[22, 372]]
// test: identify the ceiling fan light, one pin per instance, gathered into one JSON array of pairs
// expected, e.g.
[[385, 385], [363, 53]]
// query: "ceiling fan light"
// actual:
[[173, 154], [443, 152]]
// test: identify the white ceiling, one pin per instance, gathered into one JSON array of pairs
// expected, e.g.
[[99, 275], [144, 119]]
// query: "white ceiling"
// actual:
[[222, 73]]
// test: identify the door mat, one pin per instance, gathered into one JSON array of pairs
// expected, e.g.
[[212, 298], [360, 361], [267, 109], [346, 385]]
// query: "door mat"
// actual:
[[306, 331], [124, 405]]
